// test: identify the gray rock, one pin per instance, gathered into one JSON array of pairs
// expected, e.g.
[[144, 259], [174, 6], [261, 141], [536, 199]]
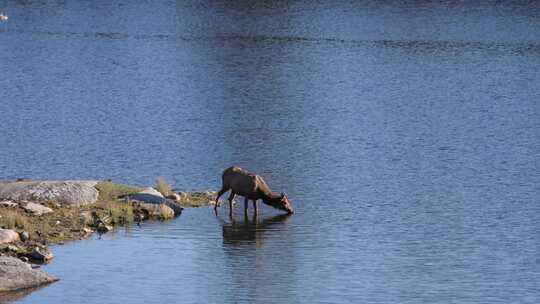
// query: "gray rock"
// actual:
[[166, 211], [158, 210], [146, 198], [40, 255], [175, 197], [13, 248], [16, 274], [174, 206], [152, 191], [8, 204], [210, 193], [87, 231], [106, 219], [104, 228], [24, 236], [62, 192], [36, 209], [87, 218], [8, 236]]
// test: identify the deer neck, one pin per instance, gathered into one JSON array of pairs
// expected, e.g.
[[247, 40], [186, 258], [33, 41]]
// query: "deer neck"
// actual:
[[270, 197]]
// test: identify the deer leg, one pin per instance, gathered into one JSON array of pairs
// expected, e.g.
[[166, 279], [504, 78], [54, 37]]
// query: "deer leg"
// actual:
[[255, 207], [246, 218], [245, 205], [231, 197], [220, 193]]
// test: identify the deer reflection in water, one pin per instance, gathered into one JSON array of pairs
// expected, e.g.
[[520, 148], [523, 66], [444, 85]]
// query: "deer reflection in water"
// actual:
[[246, 231]]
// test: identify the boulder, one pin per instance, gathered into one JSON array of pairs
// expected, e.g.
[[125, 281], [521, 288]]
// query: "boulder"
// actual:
[[103, 228], [183, 194], [87, 231], [16, 274], [145, 198], [166, 212], [105, 219], [24, 235], [150, 199], [8, 236], [62, 192], [156, 210], [36, 209], [161, 211], [87, 218], [8, 204], [175, 197], [174, 206], [151, 191], [40, 255], [210, 194]]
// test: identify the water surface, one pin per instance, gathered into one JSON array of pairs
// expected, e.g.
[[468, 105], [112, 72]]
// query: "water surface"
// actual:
[[404, 132]]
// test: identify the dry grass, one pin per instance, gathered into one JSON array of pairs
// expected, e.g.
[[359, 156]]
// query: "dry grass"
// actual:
[[163, 186], [54, 227], [11, 219]]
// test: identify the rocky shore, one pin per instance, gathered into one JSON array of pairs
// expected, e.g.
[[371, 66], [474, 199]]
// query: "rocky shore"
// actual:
[[35, 214]]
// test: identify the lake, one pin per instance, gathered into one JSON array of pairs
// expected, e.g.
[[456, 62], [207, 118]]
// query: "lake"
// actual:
[[405, 133]]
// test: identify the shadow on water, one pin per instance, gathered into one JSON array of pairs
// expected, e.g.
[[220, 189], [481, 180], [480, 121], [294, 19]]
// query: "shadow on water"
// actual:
[[250, 231], [12, 296], [249, 243]]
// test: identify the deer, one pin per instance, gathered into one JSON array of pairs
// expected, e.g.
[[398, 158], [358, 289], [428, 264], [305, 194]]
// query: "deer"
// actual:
[[252, 187]]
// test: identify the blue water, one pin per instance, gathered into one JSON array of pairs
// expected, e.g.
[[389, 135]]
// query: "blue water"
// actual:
[[406, 134]]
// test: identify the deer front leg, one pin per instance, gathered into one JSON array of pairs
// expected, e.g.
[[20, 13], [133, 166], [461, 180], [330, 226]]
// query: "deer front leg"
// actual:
[[245, 205], [231, 198], [255, 207]]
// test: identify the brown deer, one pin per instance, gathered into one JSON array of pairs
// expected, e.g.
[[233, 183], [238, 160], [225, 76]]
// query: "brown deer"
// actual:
[[251, 187]]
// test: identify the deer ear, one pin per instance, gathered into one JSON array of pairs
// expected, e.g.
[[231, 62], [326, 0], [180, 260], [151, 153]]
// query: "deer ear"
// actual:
[[282, 195]]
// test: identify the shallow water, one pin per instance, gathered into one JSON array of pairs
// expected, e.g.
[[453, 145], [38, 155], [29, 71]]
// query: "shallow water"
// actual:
[[405, 134]]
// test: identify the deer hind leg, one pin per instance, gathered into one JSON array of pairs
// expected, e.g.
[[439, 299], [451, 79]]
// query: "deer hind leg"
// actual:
[[245, 205], [231, 198]]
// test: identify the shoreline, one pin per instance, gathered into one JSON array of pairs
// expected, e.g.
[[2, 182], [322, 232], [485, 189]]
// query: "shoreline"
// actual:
[[37, 214]]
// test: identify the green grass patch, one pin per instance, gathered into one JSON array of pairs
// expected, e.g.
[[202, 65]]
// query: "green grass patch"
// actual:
[[119, 212], [109, 191], [188, 199]]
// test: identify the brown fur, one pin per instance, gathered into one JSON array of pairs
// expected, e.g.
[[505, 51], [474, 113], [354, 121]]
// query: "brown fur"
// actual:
[[251, 187]]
